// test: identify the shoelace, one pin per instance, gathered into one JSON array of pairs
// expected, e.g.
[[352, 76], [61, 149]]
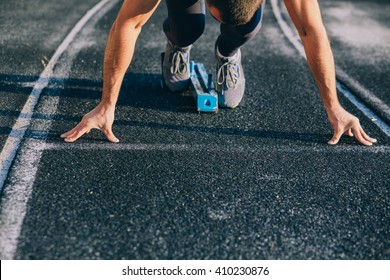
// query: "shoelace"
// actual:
[[229, 71], [179, 63]]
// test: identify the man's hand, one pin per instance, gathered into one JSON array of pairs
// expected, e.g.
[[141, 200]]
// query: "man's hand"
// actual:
[[307, 19], [117, 57], [102, 117], [343, 122]]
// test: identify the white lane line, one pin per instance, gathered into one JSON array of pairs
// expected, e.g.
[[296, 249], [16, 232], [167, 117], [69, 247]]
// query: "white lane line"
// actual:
[[296, 42], [363, 92], [23, 173], [290, 34], [209, 148], [14, 204], [370, 114], [18, 131]]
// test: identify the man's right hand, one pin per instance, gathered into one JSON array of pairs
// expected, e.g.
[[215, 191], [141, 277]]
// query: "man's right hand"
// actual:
[[102, 118], [117, 57]]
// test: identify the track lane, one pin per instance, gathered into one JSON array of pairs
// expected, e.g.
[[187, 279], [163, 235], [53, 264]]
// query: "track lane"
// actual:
[[114, 201]]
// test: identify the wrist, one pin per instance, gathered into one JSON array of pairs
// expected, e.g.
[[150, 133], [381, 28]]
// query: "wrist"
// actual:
[[332, 106], [107, 105], [335, 113]]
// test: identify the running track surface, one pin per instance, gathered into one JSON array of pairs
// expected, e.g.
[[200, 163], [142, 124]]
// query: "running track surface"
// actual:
[[253, 183]]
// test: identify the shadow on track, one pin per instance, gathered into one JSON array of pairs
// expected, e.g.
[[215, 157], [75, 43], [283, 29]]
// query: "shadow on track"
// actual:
[[139, 90]]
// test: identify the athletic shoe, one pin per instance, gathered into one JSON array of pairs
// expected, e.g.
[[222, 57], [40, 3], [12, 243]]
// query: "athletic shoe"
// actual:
[[230, 83], [176, 67]]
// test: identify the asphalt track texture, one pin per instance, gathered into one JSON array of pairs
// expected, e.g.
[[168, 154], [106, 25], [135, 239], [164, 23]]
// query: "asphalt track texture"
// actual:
[[360, 37], [258, 182]]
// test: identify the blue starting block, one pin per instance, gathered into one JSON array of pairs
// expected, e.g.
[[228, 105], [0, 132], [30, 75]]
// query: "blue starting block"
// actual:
[[201, 87]]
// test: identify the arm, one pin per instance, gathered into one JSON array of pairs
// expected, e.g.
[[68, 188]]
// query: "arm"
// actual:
[[117, 57], [306, 17]]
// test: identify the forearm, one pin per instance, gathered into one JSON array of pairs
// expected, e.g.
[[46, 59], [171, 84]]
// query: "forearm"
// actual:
[[117, 58], [121, 43], [307, 19], [321, 62]]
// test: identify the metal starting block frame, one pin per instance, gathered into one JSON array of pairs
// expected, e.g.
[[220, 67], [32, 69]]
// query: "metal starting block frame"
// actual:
[[202, 88]]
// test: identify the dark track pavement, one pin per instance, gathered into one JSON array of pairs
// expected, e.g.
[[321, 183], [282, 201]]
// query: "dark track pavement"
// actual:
[[30, 33], [360, 35], [257, 182]]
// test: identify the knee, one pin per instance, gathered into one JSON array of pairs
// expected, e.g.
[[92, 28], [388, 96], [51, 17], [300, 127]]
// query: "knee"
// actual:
[[195, 29], [192, 30], [184, 31]]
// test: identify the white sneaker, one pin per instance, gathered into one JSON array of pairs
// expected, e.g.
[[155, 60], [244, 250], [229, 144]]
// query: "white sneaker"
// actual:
[[176, 67], [230, 83]]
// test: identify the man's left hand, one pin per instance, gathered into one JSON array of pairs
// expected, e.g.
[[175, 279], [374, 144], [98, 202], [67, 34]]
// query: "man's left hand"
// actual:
[[344, 122]]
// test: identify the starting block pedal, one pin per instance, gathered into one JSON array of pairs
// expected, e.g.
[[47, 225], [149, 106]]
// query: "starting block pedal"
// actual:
[[201, 87]]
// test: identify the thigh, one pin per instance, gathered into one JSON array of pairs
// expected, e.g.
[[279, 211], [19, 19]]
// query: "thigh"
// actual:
[[185, 22]]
